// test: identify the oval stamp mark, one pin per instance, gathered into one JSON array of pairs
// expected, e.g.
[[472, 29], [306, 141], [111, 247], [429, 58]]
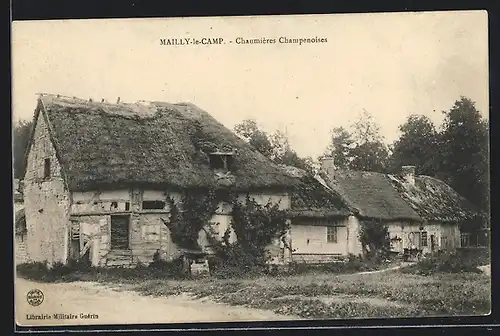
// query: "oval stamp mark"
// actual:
[[35, 297]]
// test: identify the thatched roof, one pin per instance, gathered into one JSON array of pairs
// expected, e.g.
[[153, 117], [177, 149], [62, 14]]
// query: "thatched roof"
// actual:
[[389, 197], [155, 144], [312, 198], [434, 200], [372, 195]]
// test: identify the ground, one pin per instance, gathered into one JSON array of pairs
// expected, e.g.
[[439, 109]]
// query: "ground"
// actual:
[[127, 298], [114, 306]]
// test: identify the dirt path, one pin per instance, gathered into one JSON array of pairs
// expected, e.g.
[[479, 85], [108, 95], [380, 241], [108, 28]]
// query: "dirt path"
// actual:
[[123, 307], [402, 265]]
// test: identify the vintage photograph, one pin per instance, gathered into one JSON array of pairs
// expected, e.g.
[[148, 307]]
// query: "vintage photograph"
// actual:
[[265, 168]]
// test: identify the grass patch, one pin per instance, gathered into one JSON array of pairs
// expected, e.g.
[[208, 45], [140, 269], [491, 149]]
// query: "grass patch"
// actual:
[[451, 294], [447, 262], [58, 272], [406, 294]]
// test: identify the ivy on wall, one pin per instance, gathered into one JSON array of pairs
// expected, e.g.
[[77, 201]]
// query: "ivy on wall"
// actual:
[[190, 215]]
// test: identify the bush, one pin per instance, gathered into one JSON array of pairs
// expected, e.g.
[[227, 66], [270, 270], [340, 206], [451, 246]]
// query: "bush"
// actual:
[[166, 268], [443, 262], [41, 271], [351, 264]]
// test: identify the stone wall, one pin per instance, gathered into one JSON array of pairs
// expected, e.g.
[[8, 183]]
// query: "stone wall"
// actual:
[[46, 200]]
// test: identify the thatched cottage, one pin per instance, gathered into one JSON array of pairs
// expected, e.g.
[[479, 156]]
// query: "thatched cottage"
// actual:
[[323, 228], [420, 212], [98, 176]]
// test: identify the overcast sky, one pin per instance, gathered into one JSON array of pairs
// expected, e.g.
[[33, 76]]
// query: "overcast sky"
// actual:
[[392, 65]]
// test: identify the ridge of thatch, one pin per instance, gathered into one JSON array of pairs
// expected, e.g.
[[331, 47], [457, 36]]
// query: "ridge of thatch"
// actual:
[[434, 200], [310, 198], [372, 195], [153, 144]]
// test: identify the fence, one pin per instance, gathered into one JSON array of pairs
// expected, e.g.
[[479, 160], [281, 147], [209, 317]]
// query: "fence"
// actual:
[[475, 239]]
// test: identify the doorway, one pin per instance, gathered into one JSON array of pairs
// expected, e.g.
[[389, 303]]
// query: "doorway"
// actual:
[[433, 243], [120, 232]]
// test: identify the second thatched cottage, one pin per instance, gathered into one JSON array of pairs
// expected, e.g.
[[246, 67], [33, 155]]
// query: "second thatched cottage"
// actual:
[[420, 212], [98, 176]]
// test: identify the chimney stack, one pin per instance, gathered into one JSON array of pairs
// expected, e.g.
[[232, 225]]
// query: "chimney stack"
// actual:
[[328, 166], [118, 100], [408, 173], [102, 100]]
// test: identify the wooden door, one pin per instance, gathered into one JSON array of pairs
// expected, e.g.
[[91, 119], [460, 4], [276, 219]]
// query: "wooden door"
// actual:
[[120, 229]]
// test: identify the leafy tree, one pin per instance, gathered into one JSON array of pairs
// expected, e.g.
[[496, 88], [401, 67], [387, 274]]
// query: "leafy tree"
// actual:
[[374, 238], [464, 148], [275, 146], [340, 147], [21, 135], [418, 146], [256, 227], [250, 131], [362, 148], [189, 216]]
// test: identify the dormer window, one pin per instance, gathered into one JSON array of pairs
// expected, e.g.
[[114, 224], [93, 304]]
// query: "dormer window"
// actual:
[[221, 161]]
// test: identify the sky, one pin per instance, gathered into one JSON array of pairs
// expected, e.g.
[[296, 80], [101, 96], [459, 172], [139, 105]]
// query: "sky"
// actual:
[[389, 64]]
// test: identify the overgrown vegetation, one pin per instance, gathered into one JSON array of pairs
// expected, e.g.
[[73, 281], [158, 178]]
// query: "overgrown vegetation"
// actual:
[[189, 216], [352, 264], [374, 238], [446, 262], [391, 294], [80, 271], [255, 228]]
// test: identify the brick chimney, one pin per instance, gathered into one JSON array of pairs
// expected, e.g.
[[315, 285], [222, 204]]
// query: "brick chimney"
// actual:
[[408, 173], [328, 166]]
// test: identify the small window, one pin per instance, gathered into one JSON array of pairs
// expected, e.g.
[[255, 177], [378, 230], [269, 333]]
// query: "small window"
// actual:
[[152, 205], [46, 168], [331, 234], [221, 161], [424, 238], [127, 206]]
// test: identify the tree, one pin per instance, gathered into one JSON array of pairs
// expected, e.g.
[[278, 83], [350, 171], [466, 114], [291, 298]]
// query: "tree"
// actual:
[[464, 148], [256, 227], [21, 135], [418, 146], [249, 130], [276, 146], [362, 148], [340, 147]]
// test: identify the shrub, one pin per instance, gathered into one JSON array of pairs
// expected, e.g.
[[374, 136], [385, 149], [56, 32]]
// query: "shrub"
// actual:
[[256, 227], [443, 262], [41, 271], [166, 268]]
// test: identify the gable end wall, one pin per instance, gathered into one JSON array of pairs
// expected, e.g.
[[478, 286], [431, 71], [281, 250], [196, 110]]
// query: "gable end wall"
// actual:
[[47, 201]]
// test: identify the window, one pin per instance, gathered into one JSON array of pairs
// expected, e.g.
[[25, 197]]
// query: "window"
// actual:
[[331, 234], [221, 161], [127, 206], [423, 237], [151, 205], [46, 168]]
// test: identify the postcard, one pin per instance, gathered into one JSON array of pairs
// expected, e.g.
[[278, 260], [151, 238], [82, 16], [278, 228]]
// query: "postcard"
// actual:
[[254, 168]]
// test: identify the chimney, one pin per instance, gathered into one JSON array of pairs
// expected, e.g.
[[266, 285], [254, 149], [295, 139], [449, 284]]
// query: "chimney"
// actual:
[[328, 166], [118, 100], [408, 173], [102, 100]]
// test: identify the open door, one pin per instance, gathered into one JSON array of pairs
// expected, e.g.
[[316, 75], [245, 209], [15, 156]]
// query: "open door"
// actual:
[[120, 232]]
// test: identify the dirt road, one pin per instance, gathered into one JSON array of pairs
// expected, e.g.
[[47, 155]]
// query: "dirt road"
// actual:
[[90, 303]]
